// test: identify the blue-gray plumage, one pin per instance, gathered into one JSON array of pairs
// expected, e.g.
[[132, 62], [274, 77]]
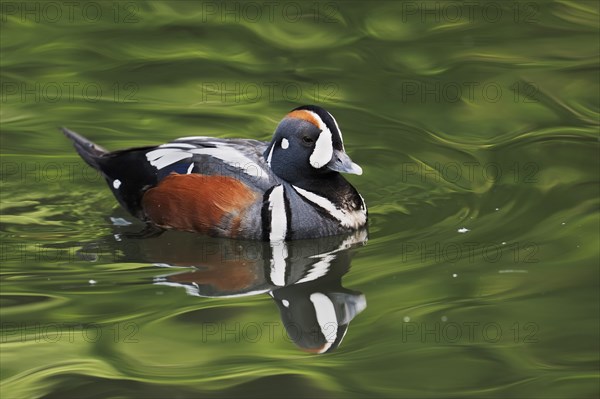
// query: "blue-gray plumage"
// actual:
[[289, 188]]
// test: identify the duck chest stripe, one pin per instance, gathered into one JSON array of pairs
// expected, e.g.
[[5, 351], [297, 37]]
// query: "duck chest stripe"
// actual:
[[275, 214], [278, 214]]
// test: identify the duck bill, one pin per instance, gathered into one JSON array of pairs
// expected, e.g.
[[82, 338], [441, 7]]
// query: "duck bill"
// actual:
[[341, 162]]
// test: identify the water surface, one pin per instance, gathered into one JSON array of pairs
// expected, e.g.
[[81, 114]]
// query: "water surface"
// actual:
[[477, 129]]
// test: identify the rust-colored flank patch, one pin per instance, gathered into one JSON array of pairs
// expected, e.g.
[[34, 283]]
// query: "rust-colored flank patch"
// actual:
[[304, 114], [197, 202]]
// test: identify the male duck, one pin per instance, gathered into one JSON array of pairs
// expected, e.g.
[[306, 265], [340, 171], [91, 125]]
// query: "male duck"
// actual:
[[287, 189]]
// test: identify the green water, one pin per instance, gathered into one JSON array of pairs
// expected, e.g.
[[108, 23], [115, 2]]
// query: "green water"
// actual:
[[476, 126]]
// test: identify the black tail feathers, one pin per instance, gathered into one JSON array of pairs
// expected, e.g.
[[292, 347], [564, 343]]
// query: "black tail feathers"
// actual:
[[89, 151]]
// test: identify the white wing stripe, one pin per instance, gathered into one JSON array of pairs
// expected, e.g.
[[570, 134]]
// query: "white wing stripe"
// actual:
[[177, 145], [163, 157], [168, 159]]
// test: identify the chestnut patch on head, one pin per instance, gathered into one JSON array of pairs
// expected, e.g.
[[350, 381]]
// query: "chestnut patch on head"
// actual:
[[305, 115]]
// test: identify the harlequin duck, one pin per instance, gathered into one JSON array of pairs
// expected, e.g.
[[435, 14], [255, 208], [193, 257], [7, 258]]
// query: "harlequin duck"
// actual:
[[287, 189]]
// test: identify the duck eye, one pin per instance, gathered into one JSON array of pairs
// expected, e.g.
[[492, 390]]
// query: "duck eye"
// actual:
[[308, 139]]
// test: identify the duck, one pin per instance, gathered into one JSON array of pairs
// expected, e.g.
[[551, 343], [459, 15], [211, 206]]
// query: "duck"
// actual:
[[290, 188]]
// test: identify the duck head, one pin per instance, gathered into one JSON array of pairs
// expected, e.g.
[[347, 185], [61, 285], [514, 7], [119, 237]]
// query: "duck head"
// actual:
[[308, 144]]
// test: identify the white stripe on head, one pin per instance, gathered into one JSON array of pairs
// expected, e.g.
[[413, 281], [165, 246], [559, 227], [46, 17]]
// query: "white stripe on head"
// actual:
[[270, 155], [338, 129], [278, 215], [323, 151]]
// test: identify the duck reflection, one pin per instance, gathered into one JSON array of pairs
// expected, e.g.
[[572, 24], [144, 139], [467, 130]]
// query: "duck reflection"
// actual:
[[303, 277]]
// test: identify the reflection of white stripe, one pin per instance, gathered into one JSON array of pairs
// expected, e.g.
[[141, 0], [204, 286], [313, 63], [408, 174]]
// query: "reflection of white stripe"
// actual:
[[193, 289], [353, 219], [319, 269], [278, 216], [278, 263], [326, 318]]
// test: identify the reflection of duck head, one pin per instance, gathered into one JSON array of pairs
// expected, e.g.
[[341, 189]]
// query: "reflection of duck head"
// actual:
[[316, 314], [303, 277]]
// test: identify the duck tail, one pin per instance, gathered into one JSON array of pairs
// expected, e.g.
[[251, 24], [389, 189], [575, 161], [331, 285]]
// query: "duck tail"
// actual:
[[89, 151]]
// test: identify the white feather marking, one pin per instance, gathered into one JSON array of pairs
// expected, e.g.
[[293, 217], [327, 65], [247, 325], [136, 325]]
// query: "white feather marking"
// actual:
[[270, 155], [338, 129], [190, 168], [193, 138], [155, 154], [351, 219], [177, 145], [116, 184], [161, 158], [278, 263], [326, 317], [323, 151], [278, 216], [285, 144]]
